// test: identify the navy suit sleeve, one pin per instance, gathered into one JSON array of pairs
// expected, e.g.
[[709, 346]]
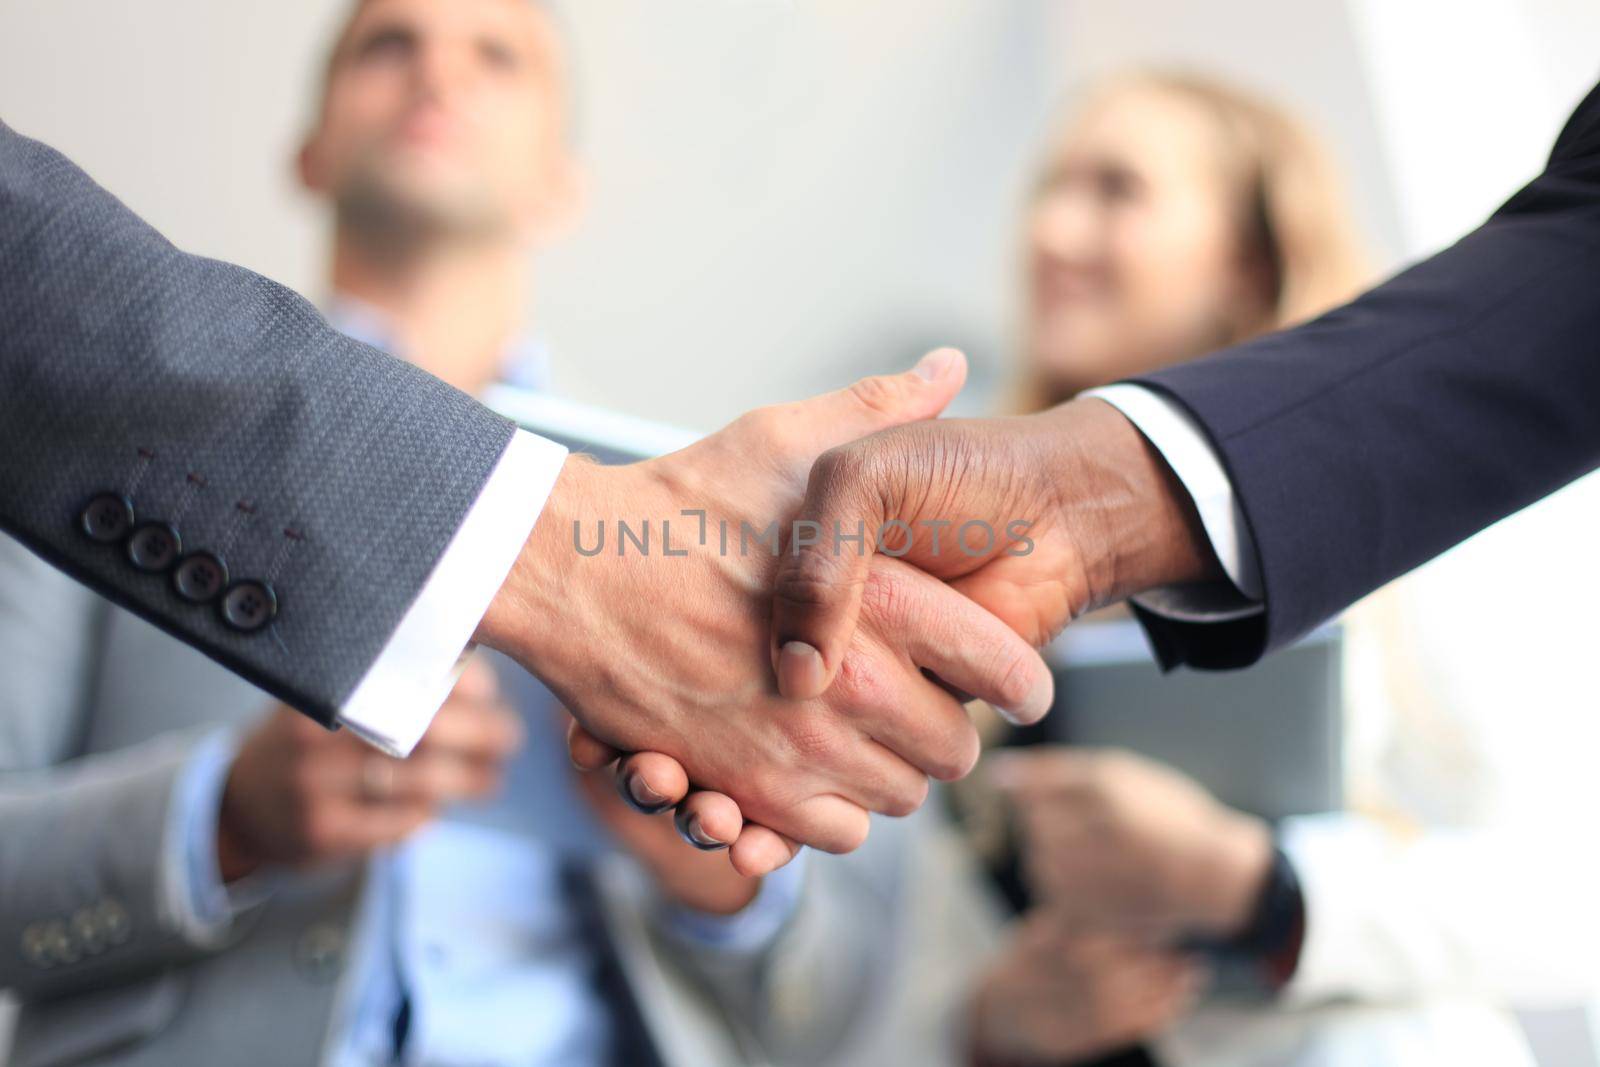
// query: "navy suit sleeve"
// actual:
[[1370, 440]]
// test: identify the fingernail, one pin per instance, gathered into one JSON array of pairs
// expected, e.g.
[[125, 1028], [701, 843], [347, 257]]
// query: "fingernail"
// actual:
[[800, 671], [689, 829], [640, 796], [1035, 706], [935, 364]]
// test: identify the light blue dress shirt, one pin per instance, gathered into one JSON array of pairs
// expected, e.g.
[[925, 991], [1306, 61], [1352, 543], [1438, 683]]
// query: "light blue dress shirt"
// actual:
[[469, 920]]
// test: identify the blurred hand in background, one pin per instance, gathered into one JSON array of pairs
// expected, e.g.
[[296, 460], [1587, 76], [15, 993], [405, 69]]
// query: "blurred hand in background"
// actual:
[[1113, 842], [1055, 997], [298, 795]]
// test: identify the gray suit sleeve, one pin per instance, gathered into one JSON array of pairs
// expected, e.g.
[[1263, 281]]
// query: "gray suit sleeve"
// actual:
[[92, 871], [93, 878], [217, 402], [49, 646]]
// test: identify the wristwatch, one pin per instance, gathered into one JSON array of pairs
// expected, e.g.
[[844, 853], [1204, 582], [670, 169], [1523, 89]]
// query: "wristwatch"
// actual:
[[1277, 928]]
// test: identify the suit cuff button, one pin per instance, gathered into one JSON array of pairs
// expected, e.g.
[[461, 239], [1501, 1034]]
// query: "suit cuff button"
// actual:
[[248, 605], [200, 577], [154, 547], [107, 518]]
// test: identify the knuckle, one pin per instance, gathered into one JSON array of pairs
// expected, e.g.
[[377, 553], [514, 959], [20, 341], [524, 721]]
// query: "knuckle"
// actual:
[[814, 742], [792, 434], [769, 797], [810, 581], [859, 685], [883, 597], [759, 421], [878, 395], [845, 836], [960, 755], [839, 469], [906, 800], [1012, 670]]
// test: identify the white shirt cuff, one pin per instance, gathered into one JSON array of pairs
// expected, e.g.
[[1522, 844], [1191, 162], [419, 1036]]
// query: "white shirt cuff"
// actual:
[[1184, 445], [203, 907], [406, 685]]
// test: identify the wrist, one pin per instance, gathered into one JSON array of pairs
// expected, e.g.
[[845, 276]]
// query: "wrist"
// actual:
[[1138, 524], [236, 856], [537, 591]]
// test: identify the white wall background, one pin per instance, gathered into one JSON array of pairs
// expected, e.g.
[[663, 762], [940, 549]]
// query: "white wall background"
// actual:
[[786, 193]]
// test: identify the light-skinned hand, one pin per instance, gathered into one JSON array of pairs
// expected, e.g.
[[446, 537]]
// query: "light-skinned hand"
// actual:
[[670, 654], [696, 878], [298, 795]]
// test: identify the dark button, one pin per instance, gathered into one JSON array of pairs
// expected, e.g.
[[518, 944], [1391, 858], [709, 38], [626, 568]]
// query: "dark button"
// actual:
[[154, 547], [200, 577], [247, 606], [107, 518]]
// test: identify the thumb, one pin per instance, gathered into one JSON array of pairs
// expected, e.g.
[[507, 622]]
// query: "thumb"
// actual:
[[818, 590], [819, 585], [880, 402]]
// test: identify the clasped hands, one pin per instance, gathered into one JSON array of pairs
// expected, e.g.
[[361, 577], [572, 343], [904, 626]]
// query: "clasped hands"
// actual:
[[801, 680]]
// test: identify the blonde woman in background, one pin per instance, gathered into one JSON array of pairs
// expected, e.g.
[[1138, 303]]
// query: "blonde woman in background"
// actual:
[[1174, 216]]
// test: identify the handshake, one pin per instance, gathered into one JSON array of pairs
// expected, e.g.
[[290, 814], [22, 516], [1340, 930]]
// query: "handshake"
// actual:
[[780, 623]]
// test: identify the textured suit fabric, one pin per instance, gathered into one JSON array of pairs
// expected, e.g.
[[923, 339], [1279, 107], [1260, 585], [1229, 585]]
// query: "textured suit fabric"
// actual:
[[222, 403], [1370, 440]]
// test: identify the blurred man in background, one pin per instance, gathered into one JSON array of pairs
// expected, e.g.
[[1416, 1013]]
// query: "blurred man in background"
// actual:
[[441, 147]]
